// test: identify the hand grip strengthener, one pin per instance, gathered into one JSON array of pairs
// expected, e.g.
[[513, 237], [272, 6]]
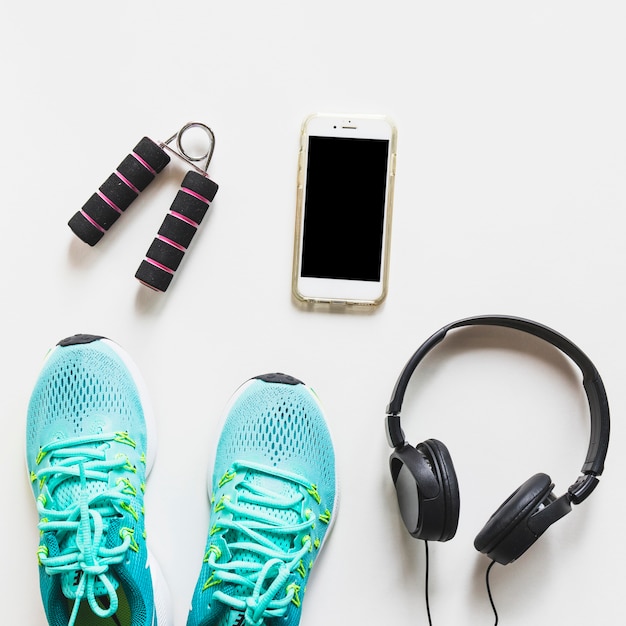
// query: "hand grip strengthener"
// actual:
[[183, 218], [140, 167]]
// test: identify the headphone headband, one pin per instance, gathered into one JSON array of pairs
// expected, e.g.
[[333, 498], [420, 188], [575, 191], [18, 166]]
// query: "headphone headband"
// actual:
[[592, 383]]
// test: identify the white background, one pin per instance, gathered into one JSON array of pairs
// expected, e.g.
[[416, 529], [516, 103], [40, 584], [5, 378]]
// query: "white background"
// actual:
[[510, 196]]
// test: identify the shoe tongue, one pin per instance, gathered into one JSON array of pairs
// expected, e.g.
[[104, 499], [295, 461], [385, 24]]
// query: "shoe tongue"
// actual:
[[70, 581], [274, 484], [280, 516], [69, 493], [236, 618]]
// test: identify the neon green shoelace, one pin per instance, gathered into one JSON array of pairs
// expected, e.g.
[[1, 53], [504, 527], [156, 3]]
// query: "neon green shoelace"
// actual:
[[81, 465], [260, 536]]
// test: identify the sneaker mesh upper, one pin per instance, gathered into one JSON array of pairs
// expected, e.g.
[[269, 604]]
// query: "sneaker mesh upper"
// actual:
[[89, 390], [281, 426], [274, 440]]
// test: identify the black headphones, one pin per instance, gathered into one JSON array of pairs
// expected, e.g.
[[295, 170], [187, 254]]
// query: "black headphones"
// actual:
[[426, 483]]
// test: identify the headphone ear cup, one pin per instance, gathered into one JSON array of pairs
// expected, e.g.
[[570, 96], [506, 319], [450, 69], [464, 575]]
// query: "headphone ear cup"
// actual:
[[506, 536], [441, 519]]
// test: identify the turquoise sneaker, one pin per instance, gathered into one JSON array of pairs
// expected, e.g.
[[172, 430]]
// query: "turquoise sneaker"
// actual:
[[273, 502], [89, 449]]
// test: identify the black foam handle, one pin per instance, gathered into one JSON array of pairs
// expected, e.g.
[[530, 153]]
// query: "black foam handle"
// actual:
[[177, 230], [118, 191]]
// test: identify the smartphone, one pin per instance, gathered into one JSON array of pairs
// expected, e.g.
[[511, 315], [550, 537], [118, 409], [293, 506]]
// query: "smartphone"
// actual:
[[346, 172]]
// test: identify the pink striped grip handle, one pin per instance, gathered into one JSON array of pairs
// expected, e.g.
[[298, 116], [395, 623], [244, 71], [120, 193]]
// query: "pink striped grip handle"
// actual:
[[118, 191], [177, 230]]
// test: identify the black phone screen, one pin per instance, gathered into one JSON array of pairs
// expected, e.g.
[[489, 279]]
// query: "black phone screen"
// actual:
[[344, 208]]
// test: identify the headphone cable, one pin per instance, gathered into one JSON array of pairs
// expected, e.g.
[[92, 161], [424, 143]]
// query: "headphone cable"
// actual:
[[426, 594], [430, 623], [493, 606]]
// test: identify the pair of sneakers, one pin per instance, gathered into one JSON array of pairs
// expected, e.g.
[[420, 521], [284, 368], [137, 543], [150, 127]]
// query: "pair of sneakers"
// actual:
[[90, 447]]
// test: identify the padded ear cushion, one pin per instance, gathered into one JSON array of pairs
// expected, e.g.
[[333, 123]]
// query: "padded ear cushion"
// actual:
[[506, 536], [441, 518]]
